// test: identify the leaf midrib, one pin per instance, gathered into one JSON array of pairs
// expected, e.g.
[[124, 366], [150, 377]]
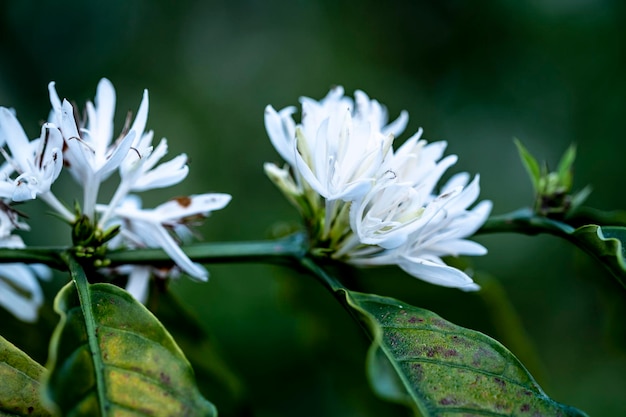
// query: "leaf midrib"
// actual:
[[84, 295]]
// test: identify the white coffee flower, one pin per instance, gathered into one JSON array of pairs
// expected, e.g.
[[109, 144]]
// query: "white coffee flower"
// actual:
[[340, 144], [37, 163], [379, 206], [139, 171], [92, 155], [440, 232]]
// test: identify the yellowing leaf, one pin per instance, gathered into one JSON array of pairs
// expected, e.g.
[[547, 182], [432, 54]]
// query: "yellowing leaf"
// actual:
[[124, 364]]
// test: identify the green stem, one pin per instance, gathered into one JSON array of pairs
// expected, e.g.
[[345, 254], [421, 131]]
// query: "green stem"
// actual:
[[82, 286], [331, 283], [283, 250], [526, 222], [48, 256]]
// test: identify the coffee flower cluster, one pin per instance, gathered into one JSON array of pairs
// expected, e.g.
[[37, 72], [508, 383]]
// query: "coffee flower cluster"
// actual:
[[365, 202], [88, 149]]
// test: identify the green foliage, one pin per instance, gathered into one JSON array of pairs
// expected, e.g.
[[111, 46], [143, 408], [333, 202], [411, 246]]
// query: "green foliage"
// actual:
[[442, 369], [530, 163], [122, 363], [604, 243], [607, 244], [20, 386], [564, 170], [552, 189]]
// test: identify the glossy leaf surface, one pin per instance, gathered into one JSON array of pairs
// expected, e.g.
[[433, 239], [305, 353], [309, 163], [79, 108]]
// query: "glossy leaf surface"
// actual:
[[19, 383], [128, 365], [442, 369], [530, 163], [607, 244]]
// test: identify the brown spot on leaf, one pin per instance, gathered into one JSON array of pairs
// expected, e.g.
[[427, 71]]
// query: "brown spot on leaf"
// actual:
[[165, 378], [417, 371], [500, 382], [450, 352], [524, 408], [447, 401], [437, 322]]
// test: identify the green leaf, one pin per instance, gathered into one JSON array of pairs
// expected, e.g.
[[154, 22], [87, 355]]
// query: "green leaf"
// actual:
[[564, 169], [442, 369], [579, 198], [607, 244], [530, 163], [588, 215], [113, 357], [19, 386]]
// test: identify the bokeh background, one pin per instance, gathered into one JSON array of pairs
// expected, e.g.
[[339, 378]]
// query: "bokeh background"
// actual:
[[476, 74]]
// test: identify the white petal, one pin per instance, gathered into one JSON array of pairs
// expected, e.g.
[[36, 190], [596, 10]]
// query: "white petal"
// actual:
[[435, 273], [281, 129], [76, 154], [457, 180], [468, 195], [54, 97], [176, 209], [165, 175], [152, 155], [411, 144], [167, 243], [42, 271], [434, 150], [456, 247], [101, 123], [49, 156], [15, 137], [21, 307], [470, 287], [139, 124], [138, 282], [25, 303], [23, 191], [478, 216], [282, 178], [353, 191], [305, 171], [386, 215], [396, 127], [6, 188], [117, 156], [13, 242]]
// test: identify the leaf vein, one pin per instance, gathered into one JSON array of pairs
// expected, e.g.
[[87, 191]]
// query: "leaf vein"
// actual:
[[473, 411], [135, 333], [146, 377], [468, 368]]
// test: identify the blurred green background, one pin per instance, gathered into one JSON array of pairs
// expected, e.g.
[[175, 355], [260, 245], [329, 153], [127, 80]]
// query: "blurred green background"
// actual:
[[476, 74]]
